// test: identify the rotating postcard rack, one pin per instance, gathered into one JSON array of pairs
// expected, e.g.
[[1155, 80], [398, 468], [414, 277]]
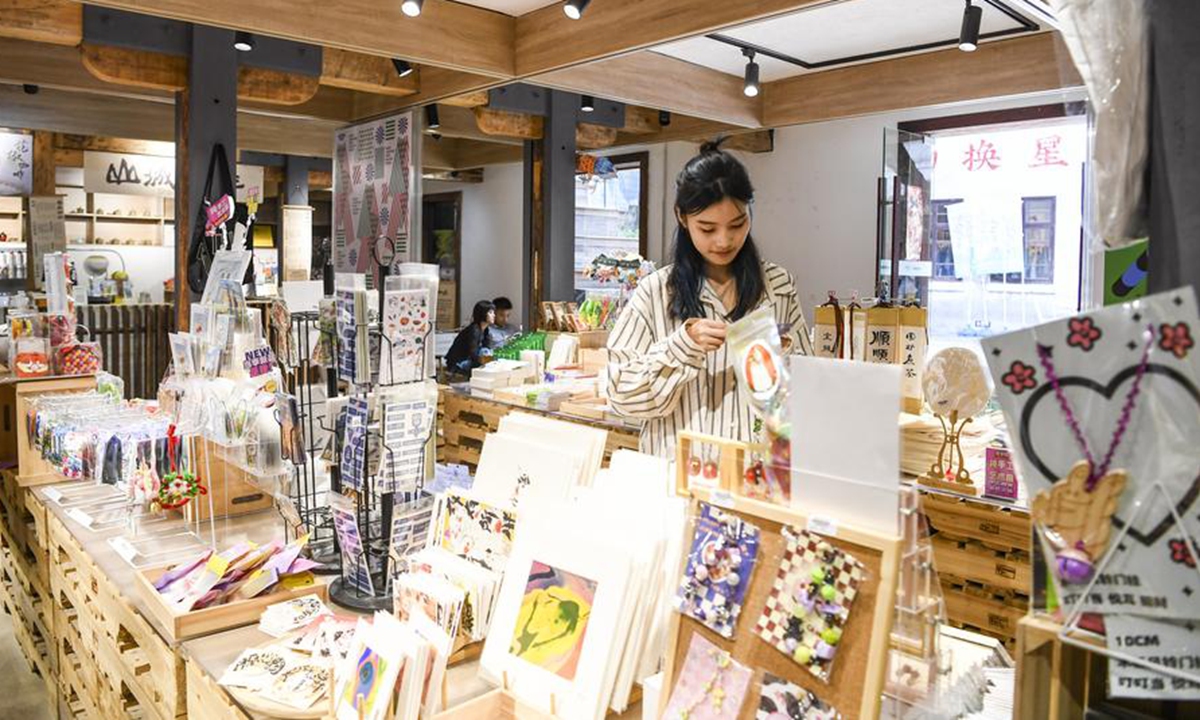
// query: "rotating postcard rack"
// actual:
[[364, 497]]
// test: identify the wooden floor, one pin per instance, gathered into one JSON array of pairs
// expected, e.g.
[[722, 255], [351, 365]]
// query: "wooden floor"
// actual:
[[23, 692]]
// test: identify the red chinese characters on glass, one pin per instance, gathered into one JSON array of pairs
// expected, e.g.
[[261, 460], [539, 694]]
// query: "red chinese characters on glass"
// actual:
[[981, 156], [1048, 152]]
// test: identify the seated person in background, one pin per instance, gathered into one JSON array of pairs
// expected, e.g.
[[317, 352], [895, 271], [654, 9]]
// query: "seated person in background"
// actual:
[[501, 331], [473, 343]]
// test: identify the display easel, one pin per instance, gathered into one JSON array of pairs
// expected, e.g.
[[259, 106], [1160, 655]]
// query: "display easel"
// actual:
[[857, 680]]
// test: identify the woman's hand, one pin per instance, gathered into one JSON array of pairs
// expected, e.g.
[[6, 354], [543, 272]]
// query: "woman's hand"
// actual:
[[708, 334]]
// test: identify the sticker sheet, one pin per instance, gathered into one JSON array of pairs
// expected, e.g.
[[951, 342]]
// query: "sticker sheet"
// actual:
[[723, 552], [407, 427], [810, 601], [354, 563], [406, 327], [711, 685], [782, 700], [474, 530]]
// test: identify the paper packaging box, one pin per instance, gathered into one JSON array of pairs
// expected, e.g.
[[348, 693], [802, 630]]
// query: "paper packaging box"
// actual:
[[182, 626], [1000, 479]]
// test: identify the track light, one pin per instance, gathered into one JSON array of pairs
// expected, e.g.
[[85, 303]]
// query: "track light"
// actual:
[[243, 41], [31, 89], [751, 85], [968, 37], [664, 118], [587, 103], [431, 118], [412, 8], [403, 68], [574, 8]]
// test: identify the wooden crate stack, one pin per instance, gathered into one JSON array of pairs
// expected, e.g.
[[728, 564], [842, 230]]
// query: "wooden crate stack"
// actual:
[[982, 554], [24, 587]]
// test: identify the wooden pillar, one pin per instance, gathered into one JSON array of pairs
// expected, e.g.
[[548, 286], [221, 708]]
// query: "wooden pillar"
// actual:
[[295, 192], [205, 115], [550, 206], [44, 184]]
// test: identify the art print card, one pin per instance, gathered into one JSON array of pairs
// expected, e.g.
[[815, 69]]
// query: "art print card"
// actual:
[[1097, 358], [365, 681], [406, 327], [408, 424], [474, 530], [552, 623], [514, 468], [782, 700], [354, 562], [300, 685], [810, 601], [255, 668], [720, 562], [711, 685]]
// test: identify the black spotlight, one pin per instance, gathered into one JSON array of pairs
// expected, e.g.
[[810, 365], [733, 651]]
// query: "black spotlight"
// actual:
[[664, 117], [431, 118], [412, 8], [403, 68], [574, 8], [31, 89], [968, 37], [587, 103], [751, 85], [243, 41]]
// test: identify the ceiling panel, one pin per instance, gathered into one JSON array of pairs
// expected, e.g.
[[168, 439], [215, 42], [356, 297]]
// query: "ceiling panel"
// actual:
[[836, 30], [510, 7]]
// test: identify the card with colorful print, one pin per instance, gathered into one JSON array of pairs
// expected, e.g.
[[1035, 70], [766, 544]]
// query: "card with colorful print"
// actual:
[[721, 560], [406, 329], [711, 685], [474, 530]]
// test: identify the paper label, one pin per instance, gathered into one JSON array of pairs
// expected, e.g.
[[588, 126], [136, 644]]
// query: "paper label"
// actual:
[[124, 548], [80, 517], [1173, 645], [823, 525], [722, 499], [53, 495]]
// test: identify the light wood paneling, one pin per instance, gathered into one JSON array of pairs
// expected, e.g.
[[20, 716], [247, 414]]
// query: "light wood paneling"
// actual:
[[135, 68], [1006, 67], [49, 21], [437, 85], [273, 87], [111, 144], [368, 73], [548, 40], [447, 34], [658, 81]]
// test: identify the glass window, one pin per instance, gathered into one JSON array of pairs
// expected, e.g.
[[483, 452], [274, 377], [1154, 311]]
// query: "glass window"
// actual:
[[609, 215]]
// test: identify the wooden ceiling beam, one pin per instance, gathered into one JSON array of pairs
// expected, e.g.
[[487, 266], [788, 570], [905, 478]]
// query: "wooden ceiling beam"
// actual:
[[459, 122], [366, 73], [49, 21], [68, 141], [437, 85], [1033, 63], [447, 34], [548, 40], [508, 124], [653, 80]]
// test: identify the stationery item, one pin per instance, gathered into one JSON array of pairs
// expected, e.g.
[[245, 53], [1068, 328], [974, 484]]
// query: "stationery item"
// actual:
[[810, 601], [408, 424], [354, 562], [291, 433], [285, 617], [782, 700], [711, 685], [723, 551], [758, 356], [407, 326], [365, 681], [473, 529]]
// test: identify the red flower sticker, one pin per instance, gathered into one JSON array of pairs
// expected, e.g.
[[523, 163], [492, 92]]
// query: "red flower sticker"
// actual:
[[1181, 553], [1176, 339], [1019, 378], [1083, 333]]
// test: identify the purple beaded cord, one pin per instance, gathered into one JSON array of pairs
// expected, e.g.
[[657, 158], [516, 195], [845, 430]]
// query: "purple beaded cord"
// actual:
[[1094, 472]]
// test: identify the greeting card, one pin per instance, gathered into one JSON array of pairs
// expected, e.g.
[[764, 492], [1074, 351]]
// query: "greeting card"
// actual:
[[406, 328], [710, 686]]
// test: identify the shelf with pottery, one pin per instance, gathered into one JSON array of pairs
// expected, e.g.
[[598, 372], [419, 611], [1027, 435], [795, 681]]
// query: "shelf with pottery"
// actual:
[[140, 219]]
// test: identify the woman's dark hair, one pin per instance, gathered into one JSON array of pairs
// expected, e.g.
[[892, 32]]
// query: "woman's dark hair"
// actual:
[[707, 179], [480, 313]]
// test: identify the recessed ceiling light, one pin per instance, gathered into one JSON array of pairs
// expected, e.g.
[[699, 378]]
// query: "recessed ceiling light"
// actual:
[[403, 68], [587, 103], [243, 41], [968, 36], [751, 85], [412, 8], [574, 8]]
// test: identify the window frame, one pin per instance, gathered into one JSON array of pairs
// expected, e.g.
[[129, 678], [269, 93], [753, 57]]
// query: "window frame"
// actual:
[[642, 160]]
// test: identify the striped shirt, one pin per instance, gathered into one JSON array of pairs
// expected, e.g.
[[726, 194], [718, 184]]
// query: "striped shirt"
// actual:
[[657, 373]]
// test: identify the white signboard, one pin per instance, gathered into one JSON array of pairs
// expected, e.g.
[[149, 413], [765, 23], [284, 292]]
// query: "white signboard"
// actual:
[[297, 242], [16, 164], [249, 183], [127, 174], [47, 229]]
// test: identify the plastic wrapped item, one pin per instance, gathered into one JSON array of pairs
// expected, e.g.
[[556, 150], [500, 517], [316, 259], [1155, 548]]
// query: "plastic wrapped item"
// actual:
[[761, 371], [61, 328], [1109, 43], [111, 385], [84, 358], [32, 358], [26, 325]]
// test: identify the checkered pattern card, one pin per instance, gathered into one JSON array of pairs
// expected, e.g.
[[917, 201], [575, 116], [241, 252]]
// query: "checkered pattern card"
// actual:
[[782, 700], [810, 601], [723, 551]]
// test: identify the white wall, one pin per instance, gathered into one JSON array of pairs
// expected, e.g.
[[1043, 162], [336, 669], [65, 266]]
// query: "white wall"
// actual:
[[491, 236]]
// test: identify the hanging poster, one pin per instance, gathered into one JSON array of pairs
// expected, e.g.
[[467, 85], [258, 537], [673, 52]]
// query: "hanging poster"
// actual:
[[372, 194], [128, 174], [16, 164], [47, 230], [297, 242]]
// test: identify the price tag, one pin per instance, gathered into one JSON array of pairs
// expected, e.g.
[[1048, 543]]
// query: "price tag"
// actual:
[[722, 499], [80, 517], [53, 494], [124, 548], [823, 526]]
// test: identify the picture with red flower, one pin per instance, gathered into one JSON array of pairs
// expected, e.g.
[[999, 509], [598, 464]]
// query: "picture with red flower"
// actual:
[[1083, 333], [1181, 553], [1176, 339], [1019, 378]]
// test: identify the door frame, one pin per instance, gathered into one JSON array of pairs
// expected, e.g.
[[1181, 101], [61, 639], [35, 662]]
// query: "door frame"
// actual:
[[454, 197]]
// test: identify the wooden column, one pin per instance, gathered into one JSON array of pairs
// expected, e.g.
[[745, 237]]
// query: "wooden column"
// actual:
[[205, 115], [44, 184], [295, 192], [550, 203]]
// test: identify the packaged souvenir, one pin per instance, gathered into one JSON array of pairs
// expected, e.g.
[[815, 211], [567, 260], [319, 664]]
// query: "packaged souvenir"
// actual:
[[84, 358], [25, 325], [32, 358], [61, 328], [762, 374]]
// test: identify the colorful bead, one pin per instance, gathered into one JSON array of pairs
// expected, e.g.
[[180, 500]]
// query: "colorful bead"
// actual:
[[693, 466], [825, 651], [828, 592], [831, 635], [732, 579], [1075, 566], [710, 470], [818, 574], [802, 655]]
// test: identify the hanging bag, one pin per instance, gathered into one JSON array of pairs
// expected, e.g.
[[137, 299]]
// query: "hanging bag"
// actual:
[[203, 247]]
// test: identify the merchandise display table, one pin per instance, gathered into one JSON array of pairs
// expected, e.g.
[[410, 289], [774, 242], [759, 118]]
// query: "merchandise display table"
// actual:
[[469, 417]]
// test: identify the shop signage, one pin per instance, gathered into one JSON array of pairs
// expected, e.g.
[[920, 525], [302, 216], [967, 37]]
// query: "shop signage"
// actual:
[[129, 174], [16, 164]]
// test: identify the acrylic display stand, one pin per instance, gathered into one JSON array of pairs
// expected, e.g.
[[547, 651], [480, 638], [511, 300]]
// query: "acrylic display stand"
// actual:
[[858, 674]]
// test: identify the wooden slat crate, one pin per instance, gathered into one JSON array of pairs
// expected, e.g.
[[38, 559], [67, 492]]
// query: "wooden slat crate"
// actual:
[[971, 560], [208, 701], [963, 518]]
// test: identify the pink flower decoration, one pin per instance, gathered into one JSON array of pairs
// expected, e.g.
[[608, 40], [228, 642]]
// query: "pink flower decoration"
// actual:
[[1176, 339], [1019, 378], [1083, 333], [1181, 553]]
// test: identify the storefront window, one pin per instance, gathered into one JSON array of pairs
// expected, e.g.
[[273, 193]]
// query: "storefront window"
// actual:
[[609, 216]]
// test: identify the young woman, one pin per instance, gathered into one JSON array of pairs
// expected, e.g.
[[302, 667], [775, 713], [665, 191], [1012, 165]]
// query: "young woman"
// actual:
[[668, 363], [468, 349]]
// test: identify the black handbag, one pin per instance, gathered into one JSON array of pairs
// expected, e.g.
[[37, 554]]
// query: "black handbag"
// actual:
[[203, 247]]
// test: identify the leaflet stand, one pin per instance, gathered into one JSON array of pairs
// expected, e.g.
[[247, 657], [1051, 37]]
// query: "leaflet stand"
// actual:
[[857, 679]]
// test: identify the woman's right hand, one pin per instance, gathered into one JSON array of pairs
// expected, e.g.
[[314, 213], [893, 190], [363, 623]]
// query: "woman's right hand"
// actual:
[[708, 334]]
